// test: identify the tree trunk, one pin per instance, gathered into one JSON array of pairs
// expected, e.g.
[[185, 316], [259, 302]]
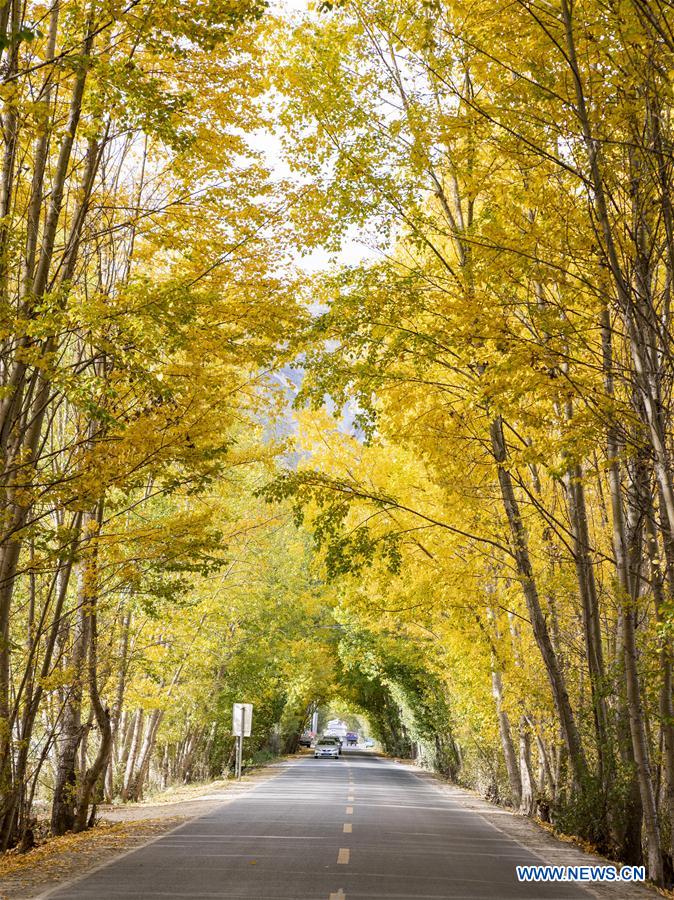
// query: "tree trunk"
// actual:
[[540, 629], [527, 804], [136, 734], [590, 610], [135, 791], [91, 777], [507, 745], [65, 786]]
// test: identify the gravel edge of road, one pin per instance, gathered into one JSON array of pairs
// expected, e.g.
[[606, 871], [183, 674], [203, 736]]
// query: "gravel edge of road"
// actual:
[[550, 849]]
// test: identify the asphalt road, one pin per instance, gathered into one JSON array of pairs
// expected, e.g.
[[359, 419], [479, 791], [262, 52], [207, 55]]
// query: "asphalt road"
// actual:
[[361, 827]]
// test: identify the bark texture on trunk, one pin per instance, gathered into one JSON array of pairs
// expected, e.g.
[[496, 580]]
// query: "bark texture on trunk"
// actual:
[[507, 744], [538, 622]]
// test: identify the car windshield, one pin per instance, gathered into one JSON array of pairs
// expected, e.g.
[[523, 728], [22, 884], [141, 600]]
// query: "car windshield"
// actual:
[[326, 742]]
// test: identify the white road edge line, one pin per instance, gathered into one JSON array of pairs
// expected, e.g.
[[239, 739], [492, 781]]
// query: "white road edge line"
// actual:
[[69, 882]]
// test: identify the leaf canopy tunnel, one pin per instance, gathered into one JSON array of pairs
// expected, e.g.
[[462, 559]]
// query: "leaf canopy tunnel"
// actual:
[[336, 370]]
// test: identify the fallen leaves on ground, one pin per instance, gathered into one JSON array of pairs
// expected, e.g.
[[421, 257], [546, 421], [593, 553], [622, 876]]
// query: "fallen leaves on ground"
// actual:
[[66, 857]]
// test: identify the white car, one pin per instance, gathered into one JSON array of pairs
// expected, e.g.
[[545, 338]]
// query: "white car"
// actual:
[[326, 748]]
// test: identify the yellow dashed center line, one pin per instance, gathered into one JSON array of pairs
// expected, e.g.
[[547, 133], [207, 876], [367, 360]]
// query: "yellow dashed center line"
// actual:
[[340, 895], [343, 856], [348, 828], [349, 810]]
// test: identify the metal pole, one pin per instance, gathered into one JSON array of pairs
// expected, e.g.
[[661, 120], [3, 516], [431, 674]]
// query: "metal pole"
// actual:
[[239, 756], [244, 728]]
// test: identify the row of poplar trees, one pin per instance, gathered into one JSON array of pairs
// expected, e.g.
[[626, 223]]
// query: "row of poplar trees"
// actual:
[[507, 345], [139, 305]]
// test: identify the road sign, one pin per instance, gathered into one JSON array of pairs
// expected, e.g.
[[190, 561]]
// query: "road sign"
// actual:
[[242, 722], [242, 719]]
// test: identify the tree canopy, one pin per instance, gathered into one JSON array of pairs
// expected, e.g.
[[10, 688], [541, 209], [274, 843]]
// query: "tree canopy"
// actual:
[[429, 478]]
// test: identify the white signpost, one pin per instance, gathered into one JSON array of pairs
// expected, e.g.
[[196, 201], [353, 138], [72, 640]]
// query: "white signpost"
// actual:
[[242, 723]]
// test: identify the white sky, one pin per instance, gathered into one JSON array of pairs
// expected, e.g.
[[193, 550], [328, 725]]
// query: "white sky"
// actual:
[[354, 249]]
